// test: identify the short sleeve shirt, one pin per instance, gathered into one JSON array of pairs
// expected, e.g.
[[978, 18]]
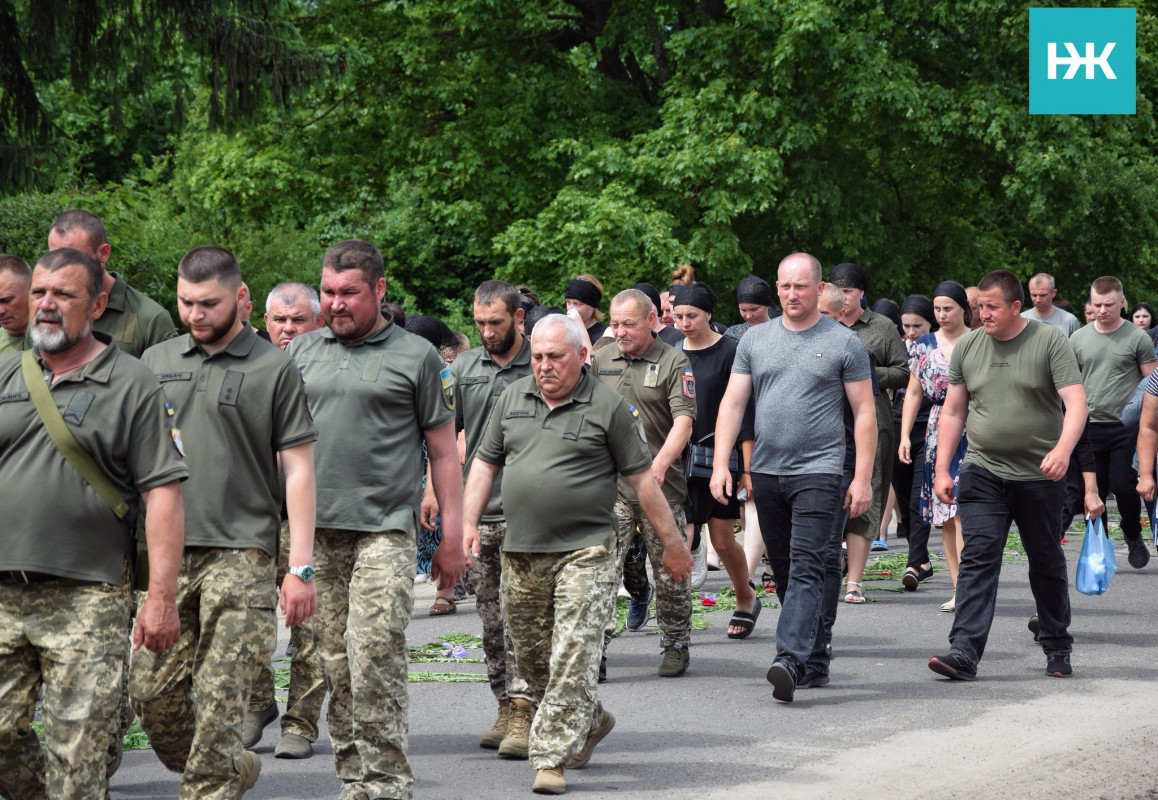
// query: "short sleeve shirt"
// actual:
[[660, 384], [1111, 367], [1015, 412], [1061, 319], [560, 465], [134, 320], [238, 407], [10, 343], [371, 400], [54, 521], [798, 380], [479, 382]]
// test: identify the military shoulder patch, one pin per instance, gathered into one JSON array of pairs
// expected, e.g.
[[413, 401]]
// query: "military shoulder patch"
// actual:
[[447, 387], [689, 384]]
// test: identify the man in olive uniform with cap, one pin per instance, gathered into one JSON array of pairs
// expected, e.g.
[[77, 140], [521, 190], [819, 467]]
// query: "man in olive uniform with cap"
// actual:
[[560, 439], [66, 545], [238, 401], [375, 392], [657, 380], [135, 321], [480, 377], [15, 278], [291, 309]]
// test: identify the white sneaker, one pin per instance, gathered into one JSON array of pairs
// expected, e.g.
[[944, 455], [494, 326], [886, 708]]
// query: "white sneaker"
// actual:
[[699, 567]]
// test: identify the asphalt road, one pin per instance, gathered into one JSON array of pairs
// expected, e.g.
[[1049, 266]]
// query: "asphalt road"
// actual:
[[885, 727]]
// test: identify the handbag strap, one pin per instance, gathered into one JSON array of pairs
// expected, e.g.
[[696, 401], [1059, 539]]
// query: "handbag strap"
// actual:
[[65, 442]]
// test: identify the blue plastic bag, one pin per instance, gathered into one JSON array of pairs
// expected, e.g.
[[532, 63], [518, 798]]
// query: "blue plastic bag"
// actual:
[[1097, 564]]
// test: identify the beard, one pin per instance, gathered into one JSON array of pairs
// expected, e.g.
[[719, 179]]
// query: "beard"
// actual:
[[504, 344], [56, 340], [215, 331]]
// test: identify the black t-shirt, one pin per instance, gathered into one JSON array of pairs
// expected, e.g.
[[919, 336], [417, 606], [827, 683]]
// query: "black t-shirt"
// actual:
[[595, 330], [671, 335], [712, 368]]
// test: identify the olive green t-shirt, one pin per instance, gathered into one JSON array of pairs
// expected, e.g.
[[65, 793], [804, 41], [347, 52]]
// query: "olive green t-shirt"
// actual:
[[1110, 365], [1015, 412], [134, 320], [54, 521], [11, 343], [371, 401], [661, 385], [235, 410], [560, 464], [479, 382]]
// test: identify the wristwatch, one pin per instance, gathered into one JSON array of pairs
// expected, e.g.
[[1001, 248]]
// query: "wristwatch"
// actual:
[[306, 573]]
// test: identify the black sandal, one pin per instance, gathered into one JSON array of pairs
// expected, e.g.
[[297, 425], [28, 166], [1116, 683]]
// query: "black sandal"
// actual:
[[745, 620]]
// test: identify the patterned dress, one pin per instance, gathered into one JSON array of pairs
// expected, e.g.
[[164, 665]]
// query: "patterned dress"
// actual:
[[927, 361], [428, 541]]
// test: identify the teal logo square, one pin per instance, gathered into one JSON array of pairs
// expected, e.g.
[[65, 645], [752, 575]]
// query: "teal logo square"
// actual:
[[1082, 61]]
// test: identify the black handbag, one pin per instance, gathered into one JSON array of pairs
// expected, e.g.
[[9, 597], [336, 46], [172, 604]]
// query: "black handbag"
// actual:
[[699, 457]]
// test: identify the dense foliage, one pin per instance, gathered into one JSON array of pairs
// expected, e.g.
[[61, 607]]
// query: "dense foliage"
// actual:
[[472, 138]]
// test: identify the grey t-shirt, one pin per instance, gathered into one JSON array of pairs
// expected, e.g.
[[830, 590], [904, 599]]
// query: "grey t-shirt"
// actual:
[[1061, 319], [798, 379]]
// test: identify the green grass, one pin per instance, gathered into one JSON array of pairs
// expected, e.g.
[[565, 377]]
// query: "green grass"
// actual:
[[448, 677], [135, 737]]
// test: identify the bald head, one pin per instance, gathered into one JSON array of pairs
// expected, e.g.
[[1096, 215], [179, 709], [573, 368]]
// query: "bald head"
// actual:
[[797, 261]]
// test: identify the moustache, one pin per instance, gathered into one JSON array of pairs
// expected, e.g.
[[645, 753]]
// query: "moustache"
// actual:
[[49, 316]]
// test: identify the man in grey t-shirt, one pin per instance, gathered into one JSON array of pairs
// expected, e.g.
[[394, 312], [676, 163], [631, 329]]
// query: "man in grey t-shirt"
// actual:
[[1042, 291], [800, 367]]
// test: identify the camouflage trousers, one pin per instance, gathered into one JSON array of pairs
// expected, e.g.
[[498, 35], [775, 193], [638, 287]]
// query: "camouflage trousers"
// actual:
[[557, 605], [70, 638], [499, 651], [307, 687], [673, 601], [365, 598], [191, 699]]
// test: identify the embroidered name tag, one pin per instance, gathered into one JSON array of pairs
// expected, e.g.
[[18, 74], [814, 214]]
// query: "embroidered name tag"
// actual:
[[512, 414], [471, 381], [610, 371], [13, 397], [174, 376]]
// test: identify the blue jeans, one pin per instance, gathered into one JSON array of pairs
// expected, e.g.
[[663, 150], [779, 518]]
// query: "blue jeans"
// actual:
[[987, 505], [797, 521]]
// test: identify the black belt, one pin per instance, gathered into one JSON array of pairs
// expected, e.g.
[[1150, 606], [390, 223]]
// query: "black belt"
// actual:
[[14, 577]]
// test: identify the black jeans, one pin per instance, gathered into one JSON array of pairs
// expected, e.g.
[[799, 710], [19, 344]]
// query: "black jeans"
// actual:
[[796, 519], [907, 481], [830, 599], [990, 503], [1114, 445]]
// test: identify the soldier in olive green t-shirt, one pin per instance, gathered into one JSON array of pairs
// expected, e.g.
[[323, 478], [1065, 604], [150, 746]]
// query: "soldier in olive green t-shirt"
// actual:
[[1114, 356], [135, 322], [657, 380], [1018, 385], [238, 408], [15, 276]]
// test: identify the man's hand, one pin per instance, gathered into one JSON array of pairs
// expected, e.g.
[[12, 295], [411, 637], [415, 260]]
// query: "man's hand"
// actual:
[[858, 498], [158, 626], [448, 565], [471, 543], [428, 512], [721, 484], [1094, 505], [1146, 487], [299, 600], [943, 488], [1055, 464], [677, 562]]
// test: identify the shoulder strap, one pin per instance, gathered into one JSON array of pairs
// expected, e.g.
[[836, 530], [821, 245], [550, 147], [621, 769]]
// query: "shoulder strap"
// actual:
[[65, 442]]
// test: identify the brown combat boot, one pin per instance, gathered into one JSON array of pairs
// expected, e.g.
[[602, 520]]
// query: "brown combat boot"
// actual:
[[549, 780], [514, 744], [494, 737]]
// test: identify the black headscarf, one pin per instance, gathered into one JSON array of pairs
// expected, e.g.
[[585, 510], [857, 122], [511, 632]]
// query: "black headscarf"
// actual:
[[754, 289], [698, 294], [652, 294], [955, 292], [584, 292], [921, 306], [849, 276]]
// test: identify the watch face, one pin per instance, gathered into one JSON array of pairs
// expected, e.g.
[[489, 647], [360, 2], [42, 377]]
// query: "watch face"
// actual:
[[306, 573]]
